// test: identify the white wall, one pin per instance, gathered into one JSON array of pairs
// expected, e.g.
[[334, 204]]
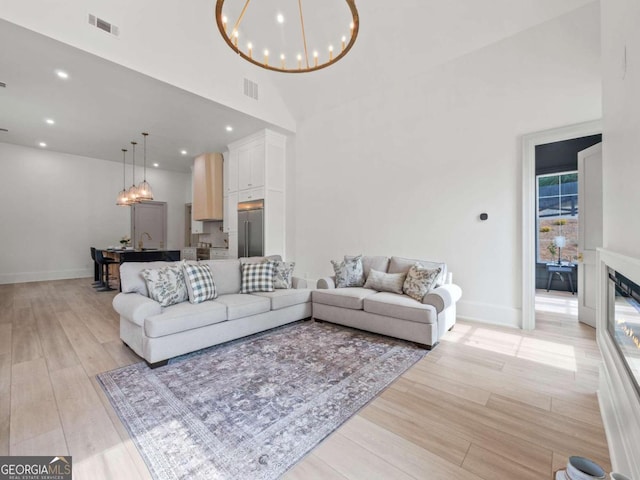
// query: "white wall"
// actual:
[[621, 116], [620, 404], [408, 170], [54, 206]]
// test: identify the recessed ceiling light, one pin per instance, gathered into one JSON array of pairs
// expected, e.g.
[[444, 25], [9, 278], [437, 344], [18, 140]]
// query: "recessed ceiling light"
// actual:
[[42, 144], [62, 74], [156, 165], [183, 152], [229, 128], [280, 18], [50, 121]]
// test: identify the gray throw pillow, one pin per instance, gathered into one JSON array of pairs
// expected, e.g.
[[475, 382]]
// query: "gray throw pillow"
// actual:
[[200, 283], [385, 282], [166, 285], [257, 277], [282, 274], [419, 281], [349, 273]]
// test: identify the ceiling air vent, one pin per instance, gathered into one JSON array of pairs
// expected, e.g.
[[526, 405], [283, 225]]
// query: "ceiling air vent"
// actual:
[[250, 89], [3, 85], [103, 25]]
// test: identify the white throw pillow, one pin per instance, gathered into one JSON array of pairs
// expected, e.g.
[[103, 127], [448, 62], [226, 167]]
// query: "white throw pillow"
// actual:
[[166, 285], [282, 273], [385, 282], [349, 272], [419, 281]]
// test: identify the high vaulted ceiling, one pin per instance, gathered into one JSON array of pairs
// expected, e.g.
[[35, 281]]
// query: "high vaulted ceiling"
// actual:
[[105, 105]]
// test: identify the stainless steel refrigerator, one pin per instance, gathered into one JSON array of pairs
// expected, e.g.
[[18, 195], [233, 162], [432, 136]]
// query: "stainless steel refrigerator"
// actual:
[[251, 229]]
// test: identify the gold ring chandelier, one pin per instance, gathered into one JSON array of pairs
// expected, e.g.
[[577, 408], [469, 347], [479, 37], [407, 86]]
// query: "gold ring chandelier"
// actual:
[[279, 40]]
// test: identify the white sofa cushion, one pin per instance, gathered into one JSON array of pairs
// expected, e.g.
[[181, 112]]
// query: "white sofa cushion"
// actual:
[[184, 316], [243, 305], [350, 297], [282, 298], [226, 275], [400, 306]]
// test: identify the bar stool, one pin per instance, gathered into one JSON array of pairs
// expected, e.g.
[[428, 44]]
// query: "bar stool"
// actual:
[[96, 269], [104, 270]]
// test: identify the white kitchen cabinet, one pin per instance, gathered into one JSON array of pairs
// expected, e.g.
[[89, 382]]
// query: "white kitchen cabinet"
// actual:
[[251, 195], [233, 244], [196, 226], [231, 172], [231, 213], [261, 165]]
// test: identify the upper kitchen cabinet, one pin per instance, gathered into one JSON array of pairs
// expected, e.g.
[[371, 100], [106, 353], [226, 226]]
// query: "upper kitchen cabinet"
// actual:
[[208, 187], [231, 172], [251, 166]]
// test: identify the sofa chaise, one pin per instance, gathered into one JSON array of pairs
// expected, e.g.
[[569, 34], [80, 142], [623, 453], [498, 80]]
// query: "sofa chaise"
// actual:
[[159, 333], [393, 314]]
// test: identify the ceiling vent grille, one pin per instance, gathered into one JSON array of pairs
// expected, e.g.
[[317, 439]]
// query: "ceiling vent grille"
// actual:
[[250, 89], [104, 25]]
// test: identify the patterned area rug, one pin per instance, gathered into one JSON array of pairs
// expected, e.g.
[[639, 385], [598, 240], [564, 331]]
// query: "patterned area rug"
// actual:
[[250, 409]]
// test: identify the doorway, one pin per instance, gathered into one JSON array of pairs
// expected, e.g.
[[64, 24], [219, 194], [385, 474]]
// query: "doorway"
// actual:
[[550, 217], [149, 225]]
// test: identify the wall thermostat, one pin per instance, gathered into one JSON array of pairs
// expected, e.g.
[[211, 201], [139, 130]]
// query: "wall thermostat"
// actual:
[[484, 216]]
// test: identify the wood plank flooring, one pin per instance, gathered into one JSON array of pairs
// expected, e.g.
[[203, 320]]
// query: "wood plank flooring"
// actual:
[[488, 403]]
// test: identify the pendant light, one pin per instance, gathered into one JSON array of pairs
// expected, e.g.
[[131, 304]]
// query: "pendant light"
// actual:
[[133, 190], [123, 196], [144, 189]]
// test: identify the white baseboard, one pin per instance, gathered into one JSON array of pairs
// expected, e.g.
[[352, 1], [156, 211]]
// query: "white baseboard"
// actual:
[[24, 277], [489, 313]]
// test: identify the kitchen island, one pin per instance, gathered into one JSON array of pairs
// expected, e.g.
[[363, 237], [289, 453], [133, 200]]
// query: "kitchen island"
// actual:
[[144, 255]]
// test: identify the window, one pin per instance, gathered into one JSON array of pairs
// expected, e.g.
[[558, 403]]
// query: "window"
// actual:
[[557, 216]]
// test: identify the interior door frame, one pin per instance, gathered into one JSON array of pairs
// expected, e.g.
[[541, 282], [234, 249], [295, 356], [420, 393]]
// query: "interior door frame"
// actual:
[[529, 143], [135, 233]]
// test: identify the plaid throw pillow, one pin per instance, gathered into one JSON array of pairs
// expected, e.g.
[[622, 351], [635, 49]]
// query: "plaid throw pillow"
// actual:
[[257, 277], [200, 284]]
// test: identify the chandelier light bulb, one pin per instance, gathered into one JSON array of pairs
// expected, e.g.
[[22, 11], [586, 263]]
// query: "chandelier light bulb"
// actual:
[[299, 57], [344, 42], [351, 26], [282, 58], [235, 38], [315, 58], [224, 22], [266, 57], [330, 52], [280, 18], [250, 48]]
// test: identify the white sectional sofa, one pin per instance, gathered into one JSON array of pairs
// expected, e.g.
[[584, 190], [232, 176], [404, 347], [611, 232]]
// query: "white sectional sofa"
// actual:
[[159, 333], [387, 313]]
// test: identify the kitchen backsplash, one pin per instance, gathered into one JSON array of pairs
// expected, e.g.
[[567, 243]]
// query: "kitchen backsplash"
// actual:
[[213, 235]]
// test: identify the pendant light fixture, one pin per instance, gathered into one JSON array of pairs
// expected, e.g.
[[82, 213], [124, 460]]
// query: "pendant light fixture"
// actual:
[[123, 196], [278, 28], [133, 190], [144, 189]]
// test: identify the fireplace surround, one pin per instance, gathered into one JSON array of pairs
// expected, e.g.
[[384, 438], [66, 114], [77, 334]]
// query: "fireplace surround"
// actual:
[[618, 333]]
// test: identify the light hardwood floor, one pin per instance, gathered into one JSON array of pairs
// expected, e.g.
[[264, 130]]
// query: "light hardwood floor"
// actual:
[[487, 403]]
